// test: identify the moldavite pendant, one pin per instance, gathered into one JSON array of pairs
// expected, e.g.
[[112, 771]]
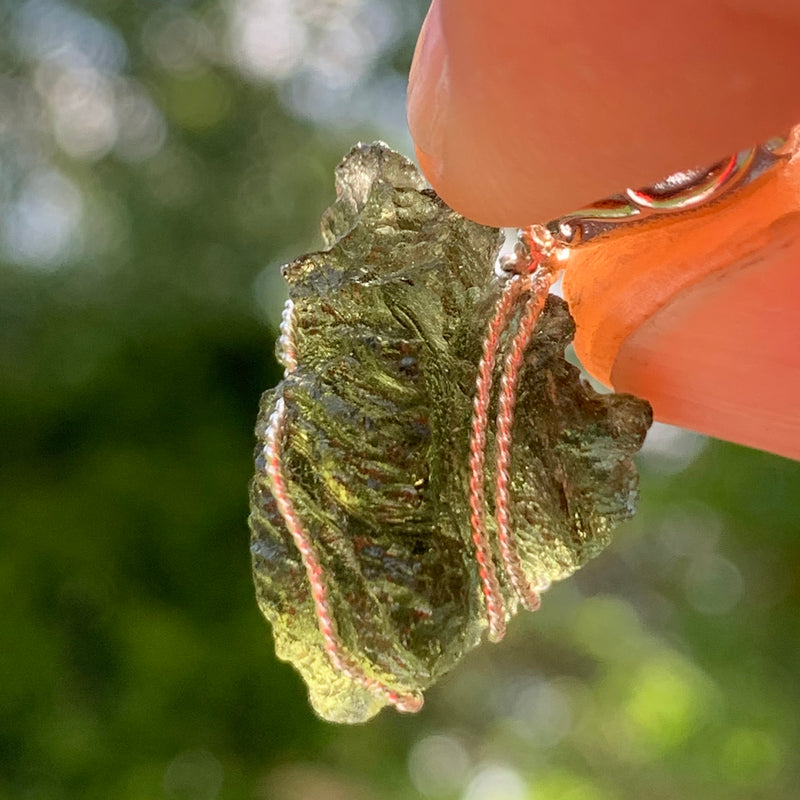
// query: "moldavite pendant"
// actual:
[[392, 520]]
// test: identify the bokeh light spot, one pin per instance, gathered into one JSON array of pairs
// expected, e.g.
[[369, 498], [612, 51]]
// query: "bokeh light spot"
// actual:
[[142, 127], [665, 704], [750, 756], [562, 785], [714, 585], [544, 713], [495, 782], [690, 529], [670, 450], [268, 38], [39, 228], [81, 102], [177, 41], [49, 30], [607, 627], [438, 765]]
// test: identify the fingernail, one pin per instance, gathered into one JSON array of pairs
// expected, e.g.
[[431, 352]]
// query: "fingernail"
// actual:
[[427, 102]]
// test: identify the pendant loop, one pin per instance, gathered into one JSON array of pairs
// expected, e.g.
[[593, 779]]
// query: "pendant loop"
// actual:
[[681, 191]]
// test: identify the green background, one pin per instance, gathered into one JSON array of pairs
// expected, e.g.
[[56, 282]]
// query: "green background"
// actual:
[[158, 162]]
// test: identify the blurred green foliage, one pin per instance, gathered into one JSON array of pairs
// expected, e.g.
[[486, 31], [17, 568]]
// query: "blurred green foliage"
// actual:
[[158, 161]]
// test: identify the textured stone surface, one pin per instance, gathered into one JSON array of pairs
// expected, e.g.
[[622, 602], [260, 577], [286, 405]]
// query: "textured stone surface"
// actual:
[[388, 326]]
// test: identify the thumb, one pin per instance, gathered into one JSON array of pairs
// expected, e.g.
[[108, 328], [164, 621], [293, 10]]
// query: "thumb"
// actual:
[[524, 111]]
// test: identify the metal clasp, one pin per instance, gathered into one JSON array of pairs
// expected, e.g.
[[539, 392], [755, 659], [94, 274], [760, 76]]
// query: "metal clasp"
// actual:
[[674, 194]]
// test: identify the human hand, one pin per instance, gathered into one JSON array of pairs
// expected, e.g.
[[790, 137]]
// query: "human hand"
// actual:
[[524, 112]]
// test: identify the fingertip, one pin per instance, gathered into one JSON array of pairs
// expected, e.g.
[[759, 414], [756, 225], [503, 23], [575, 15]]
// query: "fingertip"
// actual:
[[531, 119], [698, 313], [699, 369], [427, 100], [491, 199], [453, 127], [429, 165]]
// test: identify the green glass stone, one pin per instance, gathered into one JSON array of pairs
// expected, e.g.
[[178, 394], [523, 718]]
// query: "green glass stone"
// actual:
[[387, 328]]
